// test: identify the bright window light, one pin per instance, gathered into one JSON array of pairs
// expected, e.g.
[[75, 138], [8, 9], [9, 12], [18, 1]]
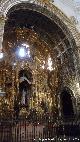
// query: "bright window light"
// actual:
[[50, 64], [1, 55], [25, 45], [22, 52]]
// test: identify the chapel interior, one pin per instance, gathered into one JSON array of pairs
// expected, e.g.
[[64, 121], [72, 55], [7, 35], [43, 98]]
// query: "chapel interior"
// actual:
[[39, 73]]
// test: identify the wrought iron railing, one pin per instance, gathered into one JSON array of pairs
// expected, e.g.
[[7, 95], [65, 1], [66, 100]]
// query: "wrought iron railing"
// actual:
[[23, 131]]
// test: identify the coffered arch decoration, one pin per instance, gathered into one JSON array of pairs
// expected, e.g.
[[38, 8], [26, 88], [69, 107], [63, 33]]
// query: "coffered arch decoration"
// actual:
[[50, 18], [60, 18]]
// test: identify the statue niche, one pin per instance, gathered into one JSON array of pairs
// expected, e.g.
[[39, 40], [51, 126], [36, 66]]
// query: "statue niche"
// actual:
[[25, 87]]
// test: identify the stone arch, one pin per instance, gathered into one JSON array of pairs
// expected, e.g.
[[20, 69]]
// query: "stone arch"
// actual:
[[54, 13], [53, 17], [51, 11], [67, 25]]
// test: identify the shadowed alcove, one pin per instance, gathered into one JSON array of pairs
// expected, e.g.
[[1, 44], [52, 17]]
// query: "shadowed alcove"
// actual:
[[66, 103]]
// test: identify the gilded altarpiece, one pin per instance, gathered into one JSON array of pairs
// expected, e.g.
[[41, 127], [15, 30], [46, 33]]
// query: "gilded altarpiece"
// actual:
[[40, 73]]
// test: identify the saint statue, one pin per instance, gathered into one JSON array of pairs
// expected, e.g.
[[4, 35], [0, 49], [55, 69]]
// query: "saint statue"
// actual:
[[25, 86]]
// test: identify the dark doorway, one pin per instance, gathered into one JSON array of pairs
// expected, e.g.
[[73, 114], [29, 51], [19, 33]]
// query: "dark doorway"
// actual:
[[66, 103]]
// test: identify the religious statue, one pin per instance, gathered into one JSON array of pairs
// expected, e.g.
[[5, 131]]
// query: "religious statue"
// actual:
[[25, 86]]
